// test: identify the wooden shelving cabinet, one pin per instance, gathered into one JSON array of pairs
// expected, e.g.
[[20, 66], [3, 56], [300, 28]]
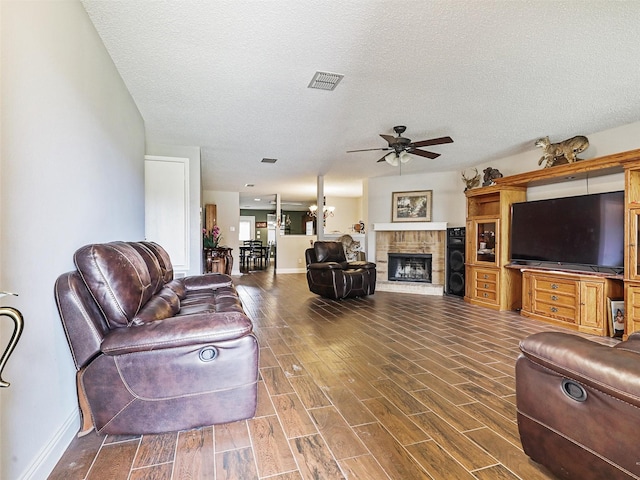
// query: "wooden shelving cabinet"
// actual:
[[579, 299], [490, 283]]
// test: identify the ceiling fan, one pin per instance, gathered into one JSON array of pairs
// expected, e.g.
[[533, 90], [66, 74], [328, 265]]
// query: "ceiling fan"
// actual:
[[401, 147]]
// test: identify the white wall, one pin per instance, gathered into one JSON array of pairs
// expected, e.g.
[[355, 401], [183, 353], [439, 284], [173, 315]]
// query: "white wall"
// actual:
[[195, 216], [72, 173], [228, 218], [348, 212], [448, 202], [448, 196], [290, 253], [606, 142]]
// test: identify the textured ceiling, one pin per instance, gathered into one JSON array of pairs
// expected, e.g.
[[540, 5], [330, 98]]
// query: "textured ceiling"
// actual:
[[231, 77]]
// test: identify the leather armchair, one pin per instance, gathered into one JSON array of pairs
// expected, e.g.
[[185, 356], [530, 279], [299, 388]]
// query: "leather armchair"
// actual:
[[330, 275], [578, 405], [155, 354]]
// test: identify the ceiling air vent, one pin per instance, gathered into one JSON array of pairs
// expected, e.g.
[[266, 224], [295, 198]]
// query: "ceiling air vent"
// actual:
[[325, 80], [269, 160]]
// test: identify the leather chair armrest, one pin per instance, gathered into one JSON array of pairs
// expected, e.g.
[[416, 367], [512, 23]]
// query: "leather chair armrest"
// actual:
[[325, 266], [615, 371], [359, 264], [178, 331]]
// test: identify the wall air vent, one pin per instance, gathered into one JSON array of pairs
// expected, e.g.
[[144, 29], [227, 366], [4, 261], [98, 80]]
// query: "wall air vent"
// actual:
[[269, 160], [325, 80]]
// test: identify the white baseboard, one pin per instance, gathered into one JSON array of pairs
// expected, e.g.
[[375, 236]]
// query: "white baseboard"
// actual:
[[47, 458], [291, 270]]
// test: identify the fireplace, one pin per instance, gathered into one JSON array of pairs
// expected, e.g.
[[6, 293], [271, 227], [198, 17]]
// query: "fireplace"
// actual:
[[411, 238], [409, 267]]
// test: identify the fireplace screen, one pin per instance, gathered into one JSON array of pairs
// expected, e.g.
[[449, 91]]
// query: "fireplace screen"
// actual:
[[410, 267]]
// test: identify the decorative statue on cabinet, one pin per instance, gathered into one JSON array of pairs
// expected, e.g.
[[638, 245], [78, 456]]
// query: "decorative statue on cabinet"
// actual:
[[471, 182], [561, 152], [490, 174]]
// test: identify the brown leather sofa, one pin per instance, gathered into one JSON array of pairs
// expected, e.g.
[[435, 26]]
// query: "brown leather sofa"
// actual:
[[330, 275], [578, 405], [153, 353]]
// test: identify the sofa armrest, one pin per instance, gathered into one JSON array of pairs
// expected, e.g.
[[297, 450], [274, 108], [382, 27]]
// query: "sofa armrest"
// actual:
[[325, 266], [615, 371], [355, 264], [207, 280], [198, 328]]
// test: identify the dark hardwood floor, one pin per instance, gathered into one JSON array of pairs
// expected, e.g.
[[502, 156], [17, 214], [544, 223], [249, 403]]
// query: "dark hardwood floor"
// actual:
[[392, 386]]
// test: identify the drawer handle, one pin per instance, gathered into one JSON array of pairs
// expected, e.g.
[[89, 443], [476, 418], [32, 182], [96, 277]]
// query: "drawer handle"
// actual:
[[555, 286], [486, 276], [554, 309], [485, 295], [486, 286], [554, 298]]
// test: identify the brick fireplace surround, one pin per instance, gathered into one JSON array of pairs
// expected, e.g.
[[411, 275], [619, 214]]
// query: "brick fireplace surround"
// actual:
[[411, 237]]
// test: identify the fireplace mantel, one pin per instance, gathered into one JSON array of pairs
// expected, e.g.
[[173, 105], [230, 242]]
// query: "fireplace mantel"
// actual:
[[409, 226]]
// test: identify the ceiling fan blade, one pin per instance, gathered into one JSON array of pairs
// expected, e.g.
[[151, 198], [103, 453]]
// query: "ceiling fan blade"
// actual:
[[368, 150], [433, 141], [383, 159], [424, 153], [389, 138]]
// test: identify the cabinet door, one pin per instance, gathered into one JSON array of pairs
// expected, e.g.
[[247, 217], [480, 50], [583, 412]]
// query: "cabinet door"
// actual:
[[633, 240], [486, 241], [632, 309], [526, 292], [592, 308]]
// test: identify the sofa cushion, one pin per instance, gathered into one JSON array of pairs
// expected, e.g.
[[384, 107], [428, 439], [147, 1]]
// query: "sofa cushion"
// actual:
[[163, 259], [155, 272], [177, 285], [207, 281], [118, 279], [164, 304], [329, 252]]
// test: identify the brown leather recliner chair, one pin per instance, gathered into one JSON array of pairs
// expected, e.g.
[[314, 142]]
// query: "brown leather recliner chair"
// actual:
[[578, 405], [330, 275], [155, 354]]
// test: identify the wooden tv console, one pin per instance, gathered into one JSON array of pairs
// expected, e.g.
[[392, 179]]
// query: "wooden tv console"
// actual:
[[581, 298], [574, 300]]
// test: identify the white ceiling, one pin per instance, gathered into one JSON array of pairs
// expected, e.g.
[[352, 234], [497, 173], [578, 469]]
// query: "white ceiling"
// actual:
[[231, 77]]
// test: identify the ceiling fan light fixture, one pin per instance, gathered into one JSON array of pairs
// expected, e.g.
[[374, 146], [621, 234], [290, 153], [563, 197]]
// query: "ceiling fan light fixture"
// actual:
[[392, 159], [405, 157]]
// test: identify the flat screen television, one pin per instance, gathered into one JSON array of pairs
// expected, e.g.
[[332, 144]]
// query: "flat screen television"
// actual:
[[571, 232]]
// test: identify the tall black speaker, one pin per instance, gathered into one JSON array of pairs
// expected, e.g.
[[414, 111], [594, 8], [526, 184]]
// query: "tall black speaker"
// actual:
[[455, 261]]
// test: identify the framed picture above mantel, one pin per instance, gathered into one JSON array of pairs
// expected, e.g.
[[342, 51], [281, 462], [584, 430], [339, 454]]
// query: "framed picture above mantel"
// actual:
[[411, 206]]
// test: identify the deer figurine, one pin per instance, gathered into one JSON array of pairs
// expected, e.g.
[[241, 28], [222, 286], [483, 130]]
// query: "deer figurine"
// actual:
[[471, 182]]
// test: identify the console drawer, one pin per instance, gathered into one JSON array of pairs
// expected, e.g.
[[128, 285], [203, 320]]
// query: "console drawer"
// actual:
[[565, 313], [545, 284], [555, 298], [485, 285]]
